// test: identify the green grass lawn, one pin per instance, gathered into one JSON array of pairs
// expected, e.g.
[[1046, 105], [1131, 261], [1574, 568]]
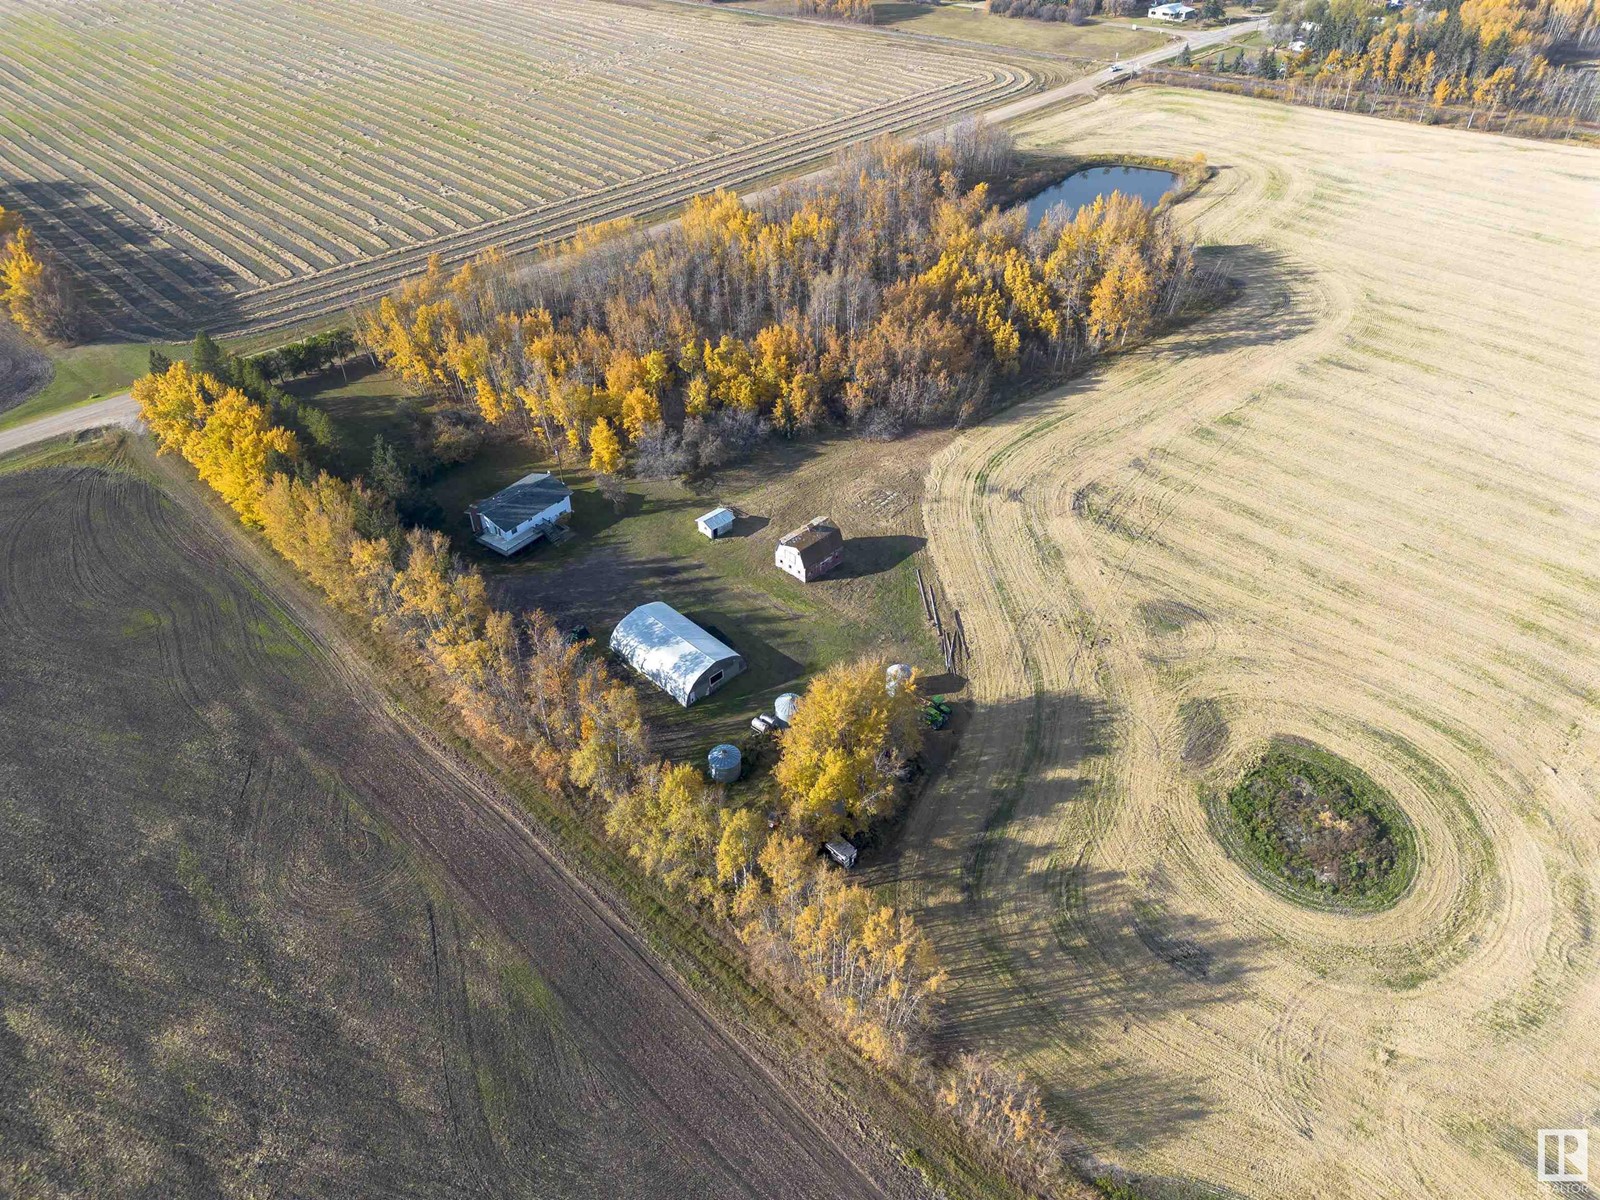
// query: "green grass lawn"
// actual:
[[363, 402], [651, 550], [86, 373]]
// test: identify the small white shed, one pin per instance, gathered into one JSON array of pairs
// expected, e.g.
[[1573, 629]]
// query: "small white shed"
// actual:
[[715, 523]]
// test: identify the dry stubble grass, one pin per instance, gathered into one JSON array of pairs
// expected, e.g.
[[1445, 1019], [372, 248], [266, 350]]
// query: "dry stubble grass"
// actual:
[[1364, 503]]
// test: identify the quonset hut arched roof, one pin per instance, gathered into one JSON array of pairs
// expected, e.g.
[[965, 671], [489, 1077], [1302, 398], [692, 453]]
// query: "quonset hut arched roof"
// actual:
[[674, 653]]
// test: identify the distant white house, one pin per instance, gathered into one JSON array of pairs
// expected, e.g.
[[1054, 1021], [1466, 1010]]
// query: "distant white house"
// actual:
[[1297, 46], [533, 507], [715, 523], [1174, 12]]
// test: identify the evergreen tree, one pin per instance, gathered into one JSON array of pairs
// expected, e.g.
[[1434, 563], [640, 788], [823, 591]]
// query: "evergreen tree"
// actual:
[[209, 358], [387, 473]]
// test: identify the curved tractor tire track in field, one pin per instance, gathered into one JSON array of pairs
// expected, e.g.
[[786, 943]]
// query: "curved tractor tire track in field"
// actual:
[[1360, 504]]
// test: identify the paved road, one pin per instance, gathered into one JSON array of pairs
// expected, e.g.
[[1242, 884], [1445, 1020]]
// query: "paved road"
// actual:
[[115, 410], [1198, 40], [119, 410]]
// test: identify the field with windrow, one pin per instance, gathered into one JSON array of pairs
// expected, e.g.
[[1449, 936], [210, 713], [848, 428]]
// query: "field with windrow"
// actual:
[[261, 940], [248, 163], [1360, 505]]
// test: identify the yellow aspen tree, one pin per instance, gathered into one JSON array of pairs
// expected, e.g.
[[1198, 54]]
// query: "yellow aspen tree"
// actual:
[[34, 290], [231, 449], [744, 832], [605, 449], [640, 410], [835, 768]]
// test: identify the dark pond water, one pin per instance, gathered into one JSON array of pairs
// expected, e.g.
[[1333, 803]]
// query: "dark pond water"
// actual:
[[1082, 187]]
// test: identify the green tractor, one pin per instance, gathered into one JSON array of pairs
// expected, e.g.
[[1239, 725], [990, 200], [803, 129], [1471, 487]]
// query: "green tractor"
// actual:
[[937, 712]]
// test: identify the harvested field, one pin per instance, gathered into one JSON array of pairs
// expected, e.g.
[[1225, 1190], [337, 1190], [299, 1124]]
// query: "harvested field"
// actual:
[[1359, 506], [261, 940], [253, 163]]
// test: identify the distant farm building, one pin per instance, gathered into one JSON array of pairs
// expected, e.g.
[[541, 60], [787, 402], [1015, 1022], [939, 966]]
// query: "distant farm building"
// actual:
[[535, 506], [1173, 12], [715, 523], [674, 653], [842, 852], [810, 551]]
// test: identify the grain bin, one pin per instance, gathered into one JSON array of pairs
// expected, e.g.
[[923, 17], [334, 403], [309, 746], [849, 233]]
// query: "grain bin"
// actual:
[[784, 706], [725, 763], [896, 675]]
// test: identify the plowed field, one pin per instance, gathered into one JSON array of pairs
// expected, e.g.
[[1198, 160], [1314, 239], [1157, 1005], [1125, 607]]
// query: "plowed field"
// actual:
[[259, 940], [1360, 506], [253, 163]]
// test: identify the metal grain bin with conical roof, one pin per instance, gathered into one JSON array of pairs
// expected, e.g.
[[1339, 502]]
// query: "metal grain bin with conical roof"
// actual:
[[725, 762], [785, 705]]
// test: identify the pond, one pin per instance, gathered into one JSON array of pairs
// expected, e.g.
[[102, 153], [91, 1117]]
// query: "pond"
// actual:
[[1083, 187]]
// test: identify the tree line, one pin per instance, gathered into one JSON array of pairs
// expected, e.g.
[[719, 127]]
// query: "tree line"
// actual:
[[1485, 53], [858, 11], [891, 295], [34, 288]]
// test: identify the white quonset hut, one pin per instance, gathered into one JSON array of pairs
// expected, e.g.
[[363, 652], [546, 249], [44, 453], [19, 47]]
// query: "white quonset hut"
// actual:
[[715, 523], [674, 653], [533, 507]]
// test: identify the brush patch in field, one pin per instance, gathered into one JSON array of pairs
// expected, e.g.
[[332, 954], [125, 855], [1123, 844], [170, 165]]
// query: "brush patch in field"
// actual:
[[1175, 630], [1321, 828], [1205, 732]]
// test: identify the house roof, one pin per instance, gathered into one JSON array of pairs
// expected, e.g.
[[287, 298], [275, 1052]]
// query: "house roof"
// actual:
[[716, 518], [1172, 8], [524, 499], [815, 540], [668, 648]]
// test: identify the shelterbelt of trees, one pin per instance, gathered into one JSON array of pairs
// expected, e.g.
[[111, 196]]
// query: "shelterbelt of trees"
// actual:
[[531, 698], [34, 290], [892, 295], [1480, 52]]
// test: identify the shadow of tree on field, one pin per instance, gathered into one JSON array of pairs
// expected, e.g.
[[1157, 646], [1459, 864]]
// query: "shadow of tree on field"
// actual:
[[112, 253], [1050, 949], [1265, 299]]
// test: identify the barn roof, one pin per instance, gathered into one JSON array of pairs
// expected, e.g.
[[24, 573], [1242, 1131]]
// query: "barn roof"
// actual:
[[815, 540], [524, 499], [668, 648], [716, 518]]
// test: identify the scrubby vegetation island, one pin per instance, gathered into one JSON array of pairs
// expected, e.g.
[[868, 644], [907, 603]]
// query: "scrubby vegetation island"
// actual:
[[1322, 827]]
